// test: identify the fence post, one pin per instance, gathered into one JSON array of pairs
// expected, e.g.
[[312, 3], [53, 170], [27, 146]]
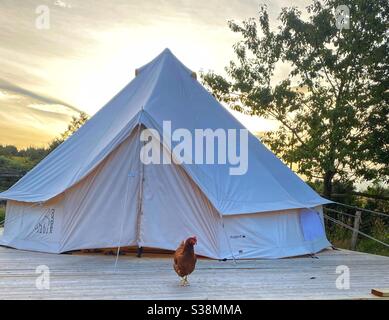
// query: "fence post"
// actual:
[[354, 237]]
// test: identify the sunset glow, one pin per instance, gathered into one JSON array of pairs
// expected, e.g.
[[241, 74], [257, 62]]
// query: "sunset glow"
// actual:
[[91, 50]]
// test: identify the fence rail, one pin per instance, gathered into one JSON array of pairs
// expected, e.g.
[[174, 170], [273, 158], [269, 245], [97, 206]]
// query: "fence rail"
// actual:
[[355, 231], [356, 221], [11, 175], [360, 194]]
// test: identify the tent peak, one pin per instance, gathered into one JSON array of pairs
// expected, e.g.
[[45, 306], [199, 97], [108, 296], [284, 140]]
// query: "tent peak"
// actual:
[[167, 50], [165, 54]]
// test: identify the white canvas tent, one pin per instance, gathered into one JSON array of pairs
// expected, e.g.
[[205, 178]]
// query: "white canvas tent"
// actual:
[[94, 192]]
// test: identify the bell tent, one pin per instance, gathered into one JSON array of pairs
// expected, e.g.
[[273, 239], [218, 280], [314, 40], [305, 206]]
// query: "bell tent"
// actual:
[[96, 191]]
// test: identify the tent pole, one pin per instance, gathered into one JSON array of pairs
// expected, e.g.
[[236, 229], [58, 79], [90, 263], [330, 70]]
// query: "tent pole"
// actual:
[[140, 198]]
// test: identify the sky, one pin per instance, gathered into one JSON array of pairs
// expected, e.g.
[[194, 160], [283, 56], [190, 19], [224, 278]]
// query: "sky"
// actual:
[[91, 49]]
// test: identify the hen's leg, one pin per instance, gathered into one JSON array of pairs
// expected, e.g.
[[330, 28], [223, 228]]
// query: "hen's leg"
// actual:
[[182, 281], [186, 282]]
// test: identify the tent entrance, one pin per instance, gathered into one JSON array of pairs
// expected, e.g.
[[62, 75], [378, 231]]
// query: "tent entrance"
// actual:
[[172, 207]]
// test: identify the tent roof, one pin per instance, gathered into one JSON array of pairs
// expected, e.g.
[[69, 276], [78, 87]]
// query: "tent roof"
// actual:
[[164, 90]]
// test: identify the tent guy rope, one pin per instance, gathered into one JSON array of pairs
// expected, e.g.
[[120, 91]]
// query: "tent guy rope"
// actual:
[[353, 229]]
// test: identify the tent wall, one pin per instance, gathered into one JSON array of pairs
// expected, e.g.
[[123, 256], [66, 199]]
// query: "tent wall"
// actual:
[[100, 211], [271, 235], [34, 226]]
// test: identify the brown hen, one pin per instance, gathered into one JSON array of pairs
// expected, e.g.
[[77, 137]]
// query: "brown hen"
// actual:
[[185, 259]]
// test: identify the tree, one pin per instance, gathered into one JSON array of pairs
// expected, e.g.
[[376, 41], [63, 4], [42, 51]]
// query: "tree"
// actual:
[[8, 150], [74, 125], [331, 106]]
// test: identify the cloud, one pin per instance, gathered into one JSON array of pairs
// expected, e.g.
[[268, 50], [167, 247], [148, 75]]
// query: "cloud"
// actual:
[[13, 88], [25, 120], [62, 4], [31, 119]]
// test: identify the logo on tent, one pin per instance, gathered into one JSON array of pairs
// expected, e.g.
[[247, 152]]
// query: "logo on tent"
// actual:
[[46, 223], [239, 236]]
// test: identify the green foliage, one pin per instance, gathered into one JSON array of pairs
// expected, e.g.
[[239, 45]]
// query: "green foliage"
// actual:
[[339, 236], [8, 151], [12, 167], [380, 231], [2, 213], [371, 224], [332, 106], [377, 205]]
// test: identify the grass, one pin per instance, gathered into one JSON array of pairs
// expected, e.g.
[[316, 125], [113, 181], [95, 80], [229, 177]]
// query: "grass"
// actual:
[[363, 245], [2, 213], [341, 238]]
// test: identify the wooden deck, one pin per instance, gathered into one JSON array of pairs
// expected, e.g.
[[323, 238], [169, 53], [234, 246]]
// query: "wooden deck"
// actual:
[[152, 277]]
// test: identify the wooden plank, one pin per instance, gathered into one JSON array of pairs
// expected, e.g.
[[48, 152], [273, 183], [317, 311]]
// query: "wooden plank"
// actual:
[[93, 276], [354, 236], [380, 292]]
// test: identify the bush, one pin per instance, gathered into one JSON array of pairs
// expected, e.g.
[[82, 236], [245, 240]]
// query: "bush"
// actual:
[[378, 228], [2, 213]]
